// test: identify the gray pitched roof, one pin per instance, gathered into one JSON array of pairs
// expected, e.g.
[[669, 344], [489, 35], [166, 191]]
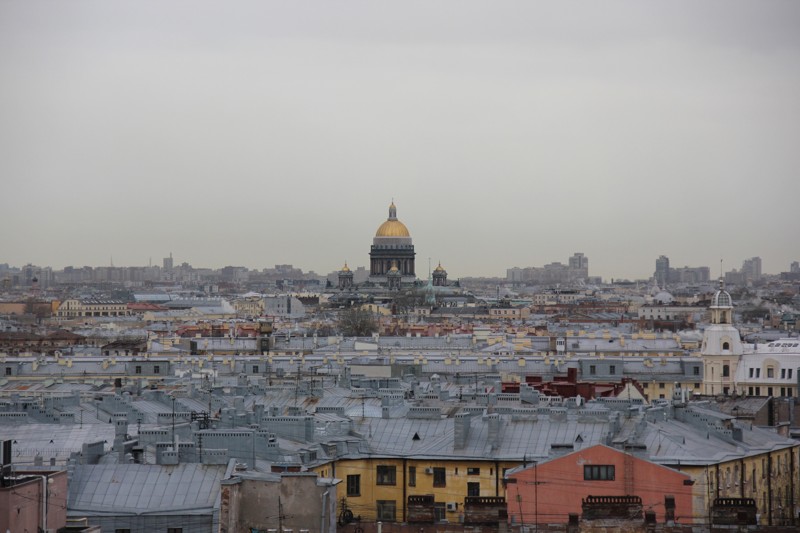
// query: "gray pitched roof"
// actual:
[[138, 489]]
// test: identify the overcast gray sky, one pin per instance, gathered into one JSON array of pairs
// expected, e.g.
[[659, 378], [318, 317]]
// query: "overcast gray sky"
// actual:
[[508, 133]]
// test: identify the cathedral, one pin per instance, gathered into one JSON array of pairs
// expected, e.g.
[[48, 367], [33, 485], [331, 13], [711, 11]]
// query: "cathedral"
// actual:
[[391, 258], [392, 249]]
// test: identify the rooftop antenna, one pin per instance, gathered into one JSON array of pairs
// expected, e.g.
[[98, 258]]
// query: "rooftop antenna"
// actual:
[[720, 269], [112, 261]]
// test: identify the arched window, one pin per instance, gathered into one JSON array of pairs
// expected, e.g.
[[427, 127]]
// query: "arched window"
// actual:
[[726, 345]]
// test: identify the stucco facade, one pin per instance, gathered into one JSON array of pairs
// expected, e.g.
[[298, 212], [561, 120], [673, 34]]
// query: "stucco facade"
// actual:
[[550, 491]]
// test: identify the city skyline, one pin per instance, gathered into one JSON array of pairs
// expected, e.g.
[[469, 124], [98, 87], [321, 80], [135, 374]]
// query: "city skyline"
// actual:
[[694, 272], [511, 135]]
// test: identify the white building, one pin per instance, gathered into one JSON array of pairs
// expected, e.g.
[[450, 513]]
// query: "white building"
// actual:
[[732, 367]]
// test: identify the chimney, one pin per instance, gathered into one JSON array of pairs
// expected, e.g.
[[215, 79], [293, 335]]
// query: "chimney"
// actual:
[[493, 421], [461, 425]]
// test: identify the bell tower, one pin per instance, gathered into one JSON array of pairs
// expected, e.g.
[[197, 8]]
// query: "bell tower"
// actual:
[[722, 347]]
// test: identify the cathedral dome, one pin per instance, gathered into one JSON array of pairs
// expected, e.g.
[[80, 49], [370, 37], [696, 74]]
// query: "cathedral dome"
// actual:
[[392, 227]]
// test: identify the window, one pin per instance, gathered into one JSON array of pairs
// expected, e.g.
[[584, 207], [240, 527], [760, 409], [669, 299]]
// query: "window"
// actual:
[[770, 372], [122, 530], [612, 369], [138, 369], [8, 371], [726, 346], [354, 485], [412, 476], [758, 372], [696, 371], [174, 530], [749, 391], [726, 371], [661, 385], [156, 369], [255, 369], [473, 471], [592, 370], [473, 489], [598, 472], [439, 511], [783, 373], [386, 510], [789, 374], [386, 475], [769, 391], [758, 391], [751, 372], [439, 477]]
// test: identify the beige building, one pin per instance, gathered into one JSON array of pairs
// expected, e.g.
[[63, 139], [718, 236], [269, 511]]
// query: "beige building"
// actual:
[[249, 306], [74, 308]]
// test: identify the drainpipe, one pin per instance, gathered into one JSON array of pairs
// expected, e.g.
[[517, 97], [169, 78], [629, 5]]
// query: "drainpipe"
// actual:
[[324, 510], [741, 478], [405, 484], [769, 488], [497, 478], [45, 481], [791, 485]]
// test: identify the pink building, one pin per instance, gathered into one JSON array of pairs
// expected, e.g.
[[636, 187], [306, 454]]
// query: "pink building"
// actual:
[[547, 492], [31, 500]]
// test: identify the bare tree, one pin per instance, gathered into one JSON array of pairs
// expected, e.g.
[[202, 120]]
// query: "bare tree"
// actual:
[[355, 322]]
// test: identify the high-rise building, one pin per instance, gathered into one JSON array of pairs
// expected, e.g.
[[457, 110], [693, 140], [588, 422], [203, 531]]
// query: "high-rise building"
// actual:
[[690, 274], [661, 274], [168, 262], [751, 269], [576, 269]]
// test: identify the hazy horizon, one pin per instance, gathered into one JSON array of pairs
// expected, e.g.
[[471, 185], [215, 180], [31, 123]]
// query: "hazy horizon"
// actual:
[[258, 133]]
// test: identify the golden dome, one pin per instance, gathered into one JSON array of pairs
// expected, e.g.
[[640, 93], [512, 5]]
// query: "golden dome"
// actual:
[[392, 227], [345, 268], [439, 268]]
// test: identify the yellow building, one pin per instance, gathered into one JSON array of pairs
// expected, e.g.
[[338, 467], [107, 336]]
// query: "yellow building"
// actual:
[[769, 478], [378, 488]]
